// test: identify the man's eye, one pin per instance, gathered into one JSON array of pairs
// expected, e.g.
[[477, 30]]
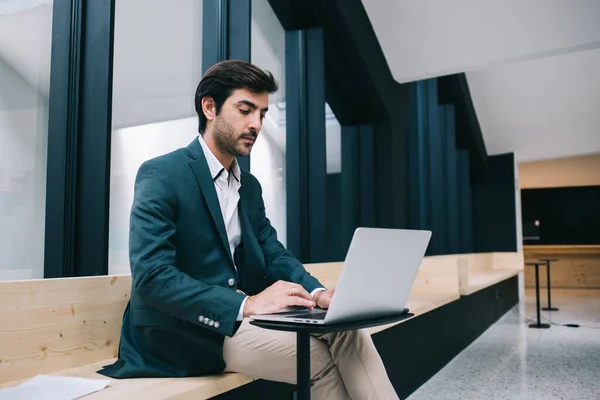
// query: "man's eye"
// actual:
[[262, 116], [245, 112]]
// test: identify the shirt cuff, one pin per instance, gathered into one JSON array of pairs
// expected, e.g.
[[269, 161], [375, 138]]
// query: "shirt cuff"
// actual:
[[240, 316], [312, 294]]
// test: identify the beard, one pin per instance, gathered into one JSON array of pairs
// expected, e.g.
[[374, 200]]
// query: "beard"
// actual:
[[228, 141]]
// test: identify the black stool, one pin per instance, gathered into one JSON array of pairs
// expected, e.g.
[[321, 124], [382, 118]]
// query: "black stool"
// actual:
[[537, 295], [548, 261]]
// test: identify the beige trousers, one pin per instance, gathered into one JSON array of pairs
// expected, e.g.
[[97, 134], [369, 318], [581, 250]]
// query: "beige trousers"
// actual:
[[343, 365]]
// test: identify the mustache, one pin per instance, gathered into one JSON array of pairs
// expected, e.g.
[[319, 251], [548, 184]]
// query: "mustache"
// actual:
[[251, 135]]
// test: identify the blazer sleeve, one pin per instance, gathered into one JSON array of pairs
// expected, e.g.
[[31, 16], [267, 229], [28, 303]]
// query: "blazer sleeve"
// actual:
[[280, 263], [156, 279]]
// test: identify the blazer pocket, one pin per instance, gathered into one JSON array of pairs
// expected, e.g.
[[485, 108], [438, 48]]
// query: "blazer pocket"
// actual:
[[153, 317]]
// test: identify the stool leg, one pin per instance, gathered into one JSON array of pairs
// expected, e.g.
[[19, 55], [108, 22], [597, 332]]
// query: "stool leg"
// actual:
[[537, 300], [549, 308], [303, 365]]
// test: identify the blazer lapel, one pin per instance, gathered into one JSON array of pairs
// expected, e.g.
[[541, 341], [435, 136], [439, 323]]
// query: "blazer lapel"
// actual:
[[200, 168], [248, 235]]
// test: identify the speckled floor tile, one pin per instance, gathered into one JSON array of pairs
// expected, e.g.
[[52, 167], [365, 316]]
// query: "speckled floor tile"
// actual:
[[512, 361]]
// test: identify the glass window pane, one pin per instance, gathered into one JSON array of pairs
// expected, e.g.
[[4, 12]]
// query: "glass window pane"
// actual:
[[333, 145], [25, 48], [267, 161], [157, 66]]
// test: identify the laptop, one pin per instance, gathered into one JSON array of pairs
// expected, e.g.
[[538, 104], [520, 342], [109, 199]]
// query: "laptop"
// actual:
[[377, 276]]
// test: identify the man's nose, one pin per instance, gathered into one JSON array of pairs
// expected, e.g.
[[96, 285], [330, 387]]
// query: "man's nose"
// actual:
[[255, 123]]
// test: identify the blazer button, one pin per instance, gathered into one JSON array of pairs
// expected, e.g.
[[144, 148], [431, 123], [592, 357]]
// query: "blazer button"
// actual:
[[211, 322], [217, 324], [201, 318], [231, 282]]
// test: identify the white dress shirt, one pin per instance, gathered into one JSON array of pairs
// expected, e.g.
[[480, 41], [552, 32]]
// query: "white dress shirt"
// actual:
[[227, 188]]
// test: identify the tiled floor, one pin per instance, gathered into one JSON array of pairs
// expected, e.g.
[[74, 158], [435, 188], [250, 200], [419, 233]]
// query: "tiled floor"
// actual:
[[512, 361]]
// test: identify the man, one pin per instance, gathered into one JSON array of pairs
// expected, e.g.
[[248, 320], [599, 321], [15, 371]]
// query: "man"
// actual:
[[204, 257]]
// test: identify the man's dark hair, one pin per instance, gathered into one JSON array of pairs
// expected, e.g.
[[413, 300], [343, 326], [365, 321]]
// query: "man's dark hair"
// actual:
[[226, 76]]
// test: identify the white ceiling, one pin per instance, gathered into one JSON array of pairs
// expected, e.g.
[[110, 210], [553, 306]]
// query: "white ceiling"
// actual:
[[533, 78], [540, 109]]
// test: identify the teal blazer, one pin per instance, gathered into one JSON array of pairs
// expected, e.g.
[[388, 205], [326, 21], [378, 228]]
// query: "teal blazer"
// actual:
[[183, 271]]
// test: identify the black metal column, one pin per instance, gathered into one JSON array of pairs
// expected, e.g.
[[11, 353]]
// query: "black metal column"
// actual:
[[226, 27], [79, 132], [305, 154]]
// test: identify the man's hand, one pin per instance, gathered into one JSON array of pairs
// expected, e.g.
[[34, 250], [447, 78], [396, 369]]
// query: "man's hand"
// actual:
[[277, 296], [323, 298]]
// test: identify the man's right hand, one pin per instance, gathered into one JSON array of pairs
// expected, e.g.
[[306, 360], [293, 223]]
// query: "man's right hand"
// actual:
[[277, 296]]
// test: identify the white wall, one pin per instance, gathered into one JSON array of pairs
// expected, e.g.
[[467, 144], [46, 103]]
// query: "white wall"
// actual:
[[424, 39]]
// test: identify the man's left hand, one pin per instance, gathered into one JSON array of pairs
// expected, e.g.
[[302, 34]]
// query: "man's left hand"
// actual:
[[323, 298]]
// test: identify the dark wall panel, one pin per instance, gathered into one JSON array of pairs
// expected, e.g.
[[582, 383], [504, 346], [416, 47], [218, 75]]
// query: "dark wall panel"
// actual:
[[567, 215], [465, 204], [418, 170], [451, 182], [494, 207], [437, 197]]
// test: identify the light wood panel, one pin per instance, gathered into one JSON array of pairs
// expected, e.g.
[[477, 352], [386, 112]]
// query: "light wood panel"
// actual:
[[562, 172], [578, 267], [481, 270], [52, 324]]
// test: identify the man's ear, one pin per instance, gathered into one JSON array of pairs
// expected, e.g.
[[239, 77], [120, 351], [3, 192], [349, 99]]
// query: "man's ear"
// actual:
[[209, 108]]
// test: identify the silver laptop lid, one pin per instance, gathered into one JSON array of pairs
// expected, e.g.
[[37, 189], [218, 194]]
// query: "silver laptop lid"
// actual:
[[378, 274]]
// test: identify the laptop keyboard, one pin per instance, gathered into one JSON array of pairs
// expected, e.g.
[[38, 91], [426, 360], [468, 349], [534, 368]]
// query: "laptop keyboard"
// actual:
[[319, 315]]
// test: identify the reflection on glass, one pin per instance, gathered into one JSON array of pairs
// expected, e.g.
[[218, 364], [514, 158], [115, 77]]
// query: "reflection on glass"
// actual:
[[25, 46], [267, 161], [157, 66], [333, 145]]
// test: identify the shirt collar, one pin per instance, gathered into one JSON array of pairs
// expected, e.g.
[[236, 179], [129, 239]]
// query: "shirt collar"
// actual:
[[215, 166]]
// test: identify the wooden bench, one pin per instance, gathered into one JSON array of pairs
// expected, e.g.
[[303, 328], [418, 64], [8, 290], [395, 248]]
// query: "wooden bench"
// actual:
[[482, 270], [71, 327]]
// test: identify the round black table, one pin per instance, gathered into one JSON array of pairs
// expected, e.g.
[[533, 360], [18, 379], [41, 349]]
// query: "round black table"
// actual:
[[303, 332], [548, 261]]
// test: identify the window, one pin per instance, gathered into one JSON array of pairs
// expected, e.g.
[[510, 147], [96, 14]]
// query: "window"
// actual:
[[157, 66], [267, 161], [25, 38]]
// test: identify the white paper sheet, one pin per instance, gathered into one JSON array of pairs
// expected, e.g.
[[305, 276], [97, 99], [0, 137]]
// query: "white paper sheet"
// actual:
[[46, 387]]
